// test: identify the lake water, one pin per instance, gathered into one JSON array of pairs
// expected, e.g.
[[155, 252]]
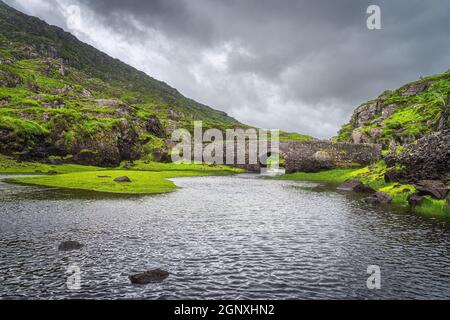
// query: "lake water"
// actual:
[[238, 237]]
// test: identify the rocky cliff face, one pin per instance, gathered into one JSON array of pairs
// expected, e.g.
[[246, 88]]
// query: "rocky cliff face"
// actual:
[[426, 159], [412, 125]]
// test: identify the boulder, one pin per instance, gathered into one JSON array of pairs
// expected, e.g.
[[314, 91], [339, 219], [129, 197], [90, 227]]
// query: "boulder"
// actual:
[[434, 188], [415, 200], [365, 113], [149, 276], [5, 100], [122, 179], [355, 186], [388, 111], [69, 246], [379, 198], [86, 94], [415, 89], [155, 127], [10, 80]]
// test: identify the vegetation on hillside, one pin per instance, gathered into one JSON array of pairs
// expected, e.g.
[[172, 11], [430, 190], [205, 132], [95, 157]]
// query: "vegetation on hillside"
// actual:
[[400, 116]]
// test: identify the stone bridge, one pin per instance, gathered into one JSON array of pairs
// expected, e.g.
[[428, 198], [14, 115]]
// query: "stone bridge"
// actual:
[[313, 156]]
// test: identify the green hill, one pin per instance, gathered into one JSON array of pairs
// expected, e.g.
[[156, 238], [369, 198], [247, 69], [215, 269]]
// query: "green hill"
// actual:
[[60, 97], [401, 116]]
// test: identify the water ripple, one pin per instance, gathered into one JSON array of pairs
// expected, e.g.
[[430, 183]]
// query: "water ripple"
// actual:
[[220, 238]]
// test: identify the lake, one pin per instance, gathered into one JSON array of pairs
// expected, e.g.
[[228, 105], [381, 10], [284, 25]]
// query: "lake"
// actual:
[[234, 237]]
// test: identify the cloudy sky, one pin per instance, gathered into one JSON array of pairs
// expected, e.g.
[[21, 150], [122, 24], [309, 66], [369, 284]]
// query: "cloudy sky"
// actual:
[[295, 65]]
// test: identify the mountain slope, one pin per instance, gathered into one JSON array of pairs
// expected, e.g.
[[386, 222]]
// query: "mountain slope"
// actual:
[[62, 98], [412, 124], [403, 115]]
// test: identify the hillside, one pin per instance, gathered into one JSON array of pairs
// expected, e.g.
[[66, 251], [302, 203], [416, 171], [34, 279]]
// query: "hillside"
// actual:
[[401, 116], [412, 125], [63, 99]]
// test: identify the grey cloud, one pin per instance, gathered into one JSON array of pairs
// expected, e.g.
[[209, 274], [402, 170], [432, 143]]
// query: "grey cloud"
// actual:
[[301, 65]]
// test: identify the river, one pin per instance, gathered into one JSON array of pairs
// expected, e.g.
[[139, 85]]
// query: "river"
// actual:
[[234, 237]]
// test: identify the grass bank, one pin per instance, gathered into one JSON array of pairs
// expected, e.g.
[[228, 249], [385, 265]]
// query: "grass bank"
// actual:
[[373, 176], [146, 177]]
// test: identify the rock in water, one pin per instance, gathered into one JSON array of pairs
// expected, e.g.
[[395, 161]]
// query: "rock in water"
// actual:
[[379, 198], [69, 246], [415, 200], [433, 188], [149, 276], [122, 179], [355, 186]]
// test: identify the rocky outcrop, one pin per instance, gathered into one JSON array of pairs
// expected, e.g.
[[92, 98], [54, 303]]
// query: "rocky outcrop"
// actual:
[[427, 159], [415, 88], [365, 113], [436, 189], [10, 80], [355, 186], [154, 126]]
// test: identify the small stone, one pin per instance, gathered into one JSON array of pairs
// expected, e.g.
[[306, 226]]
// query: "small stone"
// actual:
[[69, 246], [122, 179], [415, 200], [379, 198], [355, 186], [156, 275]]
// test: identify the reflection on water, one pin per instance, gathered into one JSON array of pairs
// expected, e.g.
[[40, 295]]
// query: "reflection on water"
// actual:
[[240, 237]]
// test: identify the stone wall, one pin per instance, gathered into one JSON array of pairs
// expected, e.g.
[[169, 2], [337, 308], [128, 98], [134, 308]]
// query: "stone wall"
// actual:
[[307, 156], [313, 156]]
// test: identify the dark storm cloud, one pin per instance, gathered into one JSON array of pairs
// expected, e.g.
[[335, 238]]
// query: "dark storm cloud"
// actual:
[[298, 65]]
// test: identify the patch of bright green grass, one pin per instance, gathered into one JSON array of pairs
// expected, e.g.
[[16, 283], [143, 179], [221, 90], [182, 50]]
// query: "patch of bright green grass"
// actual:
[[434, 207], [147, 177], [143, 182], [330, 176]]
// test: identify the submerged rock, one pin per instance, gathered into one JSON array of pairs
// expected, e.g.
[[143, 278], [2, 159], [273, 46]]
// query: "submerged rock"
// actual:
[[69, 246], [379, 198], [122, 179], [156, 275], [434, 188], [415, 200], [355, 186]]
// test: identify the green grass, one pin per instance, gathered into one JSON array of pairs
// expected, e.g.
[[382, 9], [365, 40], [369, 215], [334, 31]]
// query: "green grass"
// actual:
[[330, 176], [143, 182], [373, 176], [414, 116], [103, 181], [147, 177], [434, 207]]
